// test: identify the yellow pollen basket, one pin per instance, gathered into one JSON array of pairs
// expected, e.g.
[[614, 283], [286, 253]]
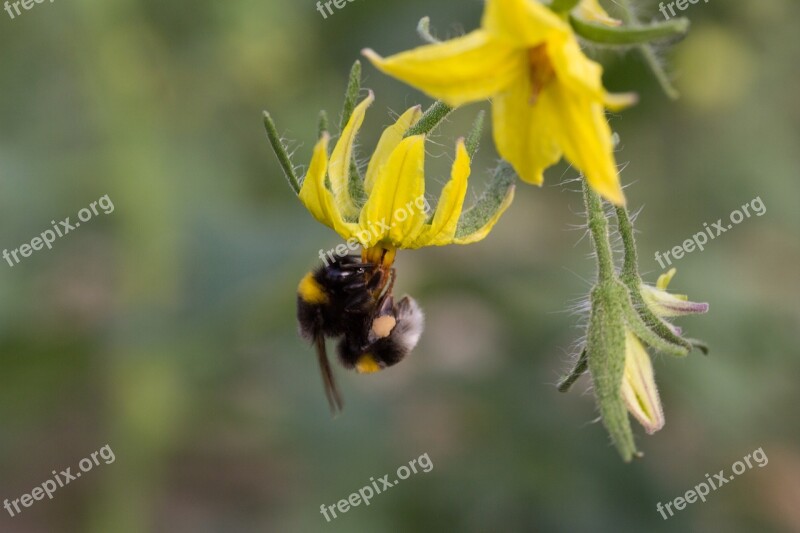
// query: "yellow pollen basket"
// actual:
[[367, 365]]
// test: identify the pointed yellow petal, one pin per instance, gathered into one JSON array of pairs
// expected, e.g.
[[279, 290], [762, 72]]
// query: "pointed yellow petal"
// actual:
[[592, 11], [666, 305], [523, 132], [522, 23], [339, 167], [442, 229], [395, 210], [389, 140], [461, 70], [664, 279], [573, 69], [581, 130], [317, 198], [620, 101], [581, 74], [639, 386]]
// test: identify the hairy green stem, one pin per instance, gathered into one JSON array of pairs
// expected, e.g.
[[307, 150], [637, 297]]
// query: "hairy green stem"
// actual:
[[630, 265], [581, 365], [649, 53], [633, 281], [598, 227]]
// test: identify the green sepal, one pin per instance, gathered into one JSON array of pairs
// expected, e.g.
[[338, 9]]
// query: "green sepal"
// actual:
[[282, 154], [355, 186], [605, 346], [653, 322], [351, 94], [495, 198], [322, 124], [430, 119], [474, 138], [641, 330], [355, 182]]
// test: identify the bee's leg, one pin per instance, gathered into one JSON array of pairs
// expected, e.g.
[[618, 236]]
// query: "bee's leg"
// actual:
[[375, 282], [386, 288], [348, 352], [328, 381], [387, 306]]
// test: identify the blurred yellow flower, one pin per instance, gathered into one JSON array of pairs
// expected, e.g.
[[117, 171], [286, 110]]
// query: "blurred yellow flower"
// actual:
[[547, 96], [395, 212]]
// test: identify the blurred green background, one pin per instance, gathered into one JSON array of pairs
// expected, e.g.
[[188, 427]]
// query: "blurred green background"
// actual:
[[166, 329]]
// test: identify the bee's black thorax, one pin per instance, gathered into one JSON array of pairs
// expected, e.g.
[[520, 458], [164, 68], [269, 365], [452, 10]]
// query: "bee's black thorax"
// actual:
[[333, 299]]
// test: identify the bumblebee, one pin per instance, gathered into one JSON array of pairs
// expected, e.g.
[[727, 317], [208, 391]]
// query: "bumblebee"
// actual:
[[351, 300]]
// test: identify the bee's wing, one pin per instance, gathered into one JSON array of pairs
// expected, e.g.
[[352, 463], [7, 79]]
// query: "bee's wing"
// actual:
[[331, 391]]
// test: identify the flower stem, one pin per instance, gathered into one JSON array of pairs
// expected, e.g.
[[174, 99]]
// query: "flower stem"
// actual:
[[630, 265], [598, 227], [625, 35], [581, 365], [562, 6], [674, 345], [629, 18]]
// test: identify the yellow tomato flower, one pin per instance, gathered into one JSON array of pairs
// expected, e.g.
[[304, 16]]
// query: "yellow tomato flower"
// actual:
[[668, 305], [639, 389], [395, 213], [547, 96], [639, 386]]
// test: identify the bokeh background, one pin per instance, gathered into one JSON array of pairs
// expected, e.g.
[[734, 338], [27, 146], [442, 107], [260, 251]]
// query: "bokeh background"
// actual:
[[166, 329]]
